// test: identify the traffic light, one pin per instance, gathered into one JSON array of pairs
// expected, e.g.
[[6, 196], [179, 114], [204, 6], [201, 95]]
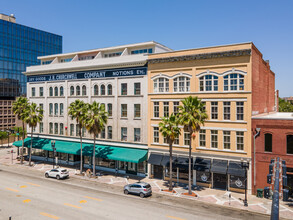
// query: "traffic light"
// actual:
[[284, 180], [284, 168], [271, 168], [269, 178]]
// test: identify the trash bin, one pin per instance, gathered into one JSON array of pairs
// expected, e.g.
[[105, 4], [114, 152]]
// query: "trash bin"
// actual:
[[259, 193], [285, 195], [266, 192]]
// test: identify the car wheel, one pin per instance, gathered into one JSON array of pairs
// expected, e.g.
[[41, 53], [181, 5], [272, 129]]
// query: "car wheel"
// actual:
[[126, 192], [58, 177], [141, 195], [46, 175]]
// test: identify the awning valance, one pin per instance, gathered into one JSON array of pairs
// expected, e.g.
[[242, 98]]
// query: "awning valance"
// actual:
[[155, 159], [182, 162], [236, 169], [219, 166], [202, 164], [166, 161]]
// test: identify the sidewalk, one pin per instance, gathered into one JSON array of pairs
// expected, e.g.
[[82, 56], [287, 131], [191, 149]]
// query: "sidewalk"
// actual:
[[206, 195]]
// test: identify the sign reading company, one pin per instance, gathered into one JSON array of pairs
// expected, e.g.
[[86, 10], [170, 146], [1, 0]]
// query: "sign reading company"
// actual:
[[89, 74]]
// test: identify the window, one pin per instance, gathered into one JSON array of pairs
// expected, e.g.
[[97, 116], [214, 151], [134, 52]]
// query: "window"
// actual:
[[156, 134], [83, 131], [176, 141], [124, 110], [71, 90], [103, 133], [123, 134], [55, 109], [77, 130], [289, 144], [33, 91], [41, 127], [51, 91], [240, 110], [202, 138], [77, 90], [103, 90], [41, 91], [65, 60], [240, 140], [137, 134], [214, 110], [123, 88], [51, 128], [56, 91], [227, 110], [214, 139], [61, 129], [109, 109], [227, 139], [181, 84], [61, 91], [61, 109], [208, 83], [109, 132], [71, 129], [150, 50], [137, 89], [96, 90], [161, 85], [186, 137], [56, 128], [115, 54], [137, 110], [109, 89], [175, 108], [165, 140], [50, 109], [233, 82], [83, 90], [166, 109], [156, 109], [268, 142], [41, 106]]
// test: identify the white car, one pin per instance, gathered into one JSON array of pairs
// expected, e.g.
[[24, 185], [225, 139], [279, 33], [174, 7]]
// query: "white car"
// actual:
[[58, 173]]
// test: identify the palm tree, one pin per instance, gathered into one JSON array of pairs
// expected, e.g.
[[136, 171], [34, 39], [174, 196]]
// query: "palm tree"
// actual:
[[96, 119], [77, 111], [32, 116], [170, 130], [192, 115], [18, 109]]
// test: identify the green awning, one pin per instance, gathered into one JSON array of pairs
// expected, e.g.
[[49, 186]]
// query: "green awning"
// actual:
[[102, 151]]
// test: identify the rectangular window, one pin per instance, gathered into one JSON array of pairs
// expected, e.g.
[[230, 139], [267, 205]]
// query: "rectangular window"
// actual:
[[77, 130], [33, 91], [83, 131], [227, 110], [109, 132], [175, 108], [240, 140], [186, 137], [240, 110], [156, 134], [103, 133], [71, 129], [137, 134], [214, 138], [123, 134], [41, 127], [166, 109], [137, 110], [123, 88], [289, 144], [268, 142], [41, 91], [124, 110], [214, 110], [137, 89], [109, 109], [176, 141], [156, 109], [202, 138], [41, 106], [227, 139]]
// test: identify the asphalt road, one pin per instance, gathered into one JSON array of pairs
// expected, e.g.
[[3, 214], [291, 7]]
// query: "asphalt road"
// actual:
[[27, 194]]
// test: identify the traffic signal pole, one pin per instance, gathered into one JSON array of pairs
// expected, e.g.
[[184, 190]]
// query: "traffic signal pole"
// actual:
[[275, 202]]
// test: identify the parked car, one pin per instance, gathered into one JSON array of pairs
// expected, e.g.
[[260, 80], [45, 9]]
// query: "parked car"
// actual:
[[140, 188], [58, 173]]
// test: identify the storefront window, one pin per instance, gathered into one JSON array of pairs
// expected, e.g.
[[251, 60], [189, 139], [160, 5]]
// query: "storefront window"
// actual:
[[203, 177], [63, 156], [141, 167], [174, 172], [105, 163], [87, 160], [237, 182], [71, 157], [51, 154], [183, 174], [38, 152], [121, 165]]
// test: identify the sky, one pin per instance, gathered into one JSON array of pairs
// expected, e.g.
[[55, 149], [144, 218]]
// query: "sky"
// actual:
[[181, 24]]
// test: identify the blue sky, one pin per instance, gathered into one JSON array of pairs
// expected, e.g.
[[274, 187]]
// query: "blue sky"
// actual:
[[183, 24]]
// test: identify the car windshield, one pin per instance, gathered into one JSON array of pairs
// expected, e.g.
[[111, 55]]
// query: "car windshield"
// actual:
[[63, 171], [147, 186]]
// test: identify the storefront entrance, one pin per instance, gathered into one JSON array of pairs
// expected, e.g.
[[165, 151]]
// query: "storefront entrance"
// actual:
[[220, 181], [158, 172], [131, 168]]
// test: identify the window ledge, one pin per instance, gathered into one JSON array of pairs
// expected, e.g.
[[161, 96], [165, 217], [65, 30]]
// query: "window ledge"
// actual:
[[100, 96], [221, 150], [129, 96], [74, 96], [124, 118], [167, 145], [136, 118], [55, 96], [226, 121], [156, 119]]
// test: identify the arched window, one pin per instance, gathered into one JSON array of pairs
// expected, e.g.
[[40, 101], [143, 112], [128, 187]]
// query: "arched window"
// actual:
[[208, 83], [83, 90], [268, 142], [61, 129], [56, 91], [289, 144], [109, 89], [51, 91], [96, 90], [161, 85], [56, 128], [50, 128], [77, 90], [61, 91], [51, 109], [71, 90], [181, 84], [103, 90], [61, 109], [233, 81], [56, 109]]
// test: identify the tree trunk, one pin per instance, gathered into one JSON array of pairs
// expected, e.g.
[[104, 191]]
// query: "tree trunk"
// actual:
[[171, 168], [81, 161], [189, 163], [30, 153], [21, 161], [94, 156]]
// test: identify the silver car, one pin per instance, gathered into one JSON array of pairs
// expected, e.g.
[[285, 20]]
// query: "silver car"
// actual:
[[140, 188], [58, 173]]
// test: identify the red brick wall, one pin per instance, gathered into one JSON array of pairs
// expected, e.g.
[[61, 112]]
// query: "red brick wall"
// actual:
[[279, 129]]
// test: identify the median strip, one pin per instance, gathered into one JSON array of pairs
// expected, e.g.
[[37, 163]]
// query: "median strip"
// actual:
[[48, 215], [74, 206]]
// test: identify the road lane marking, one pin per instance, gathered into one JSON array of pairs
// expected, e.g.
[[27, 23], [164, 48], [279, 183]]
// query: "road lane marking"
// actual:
[[93, 198], [23, 186], [26, 201], [82, 201], [33, 184], [74, 206], [18, 195], [48, 215], [13, 190], [174, 217]]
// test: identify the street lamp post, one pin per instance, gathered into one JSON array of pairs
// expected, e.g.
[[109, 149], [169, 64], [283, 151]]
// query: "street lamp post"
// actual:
[[54, 152], [245, 165]]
